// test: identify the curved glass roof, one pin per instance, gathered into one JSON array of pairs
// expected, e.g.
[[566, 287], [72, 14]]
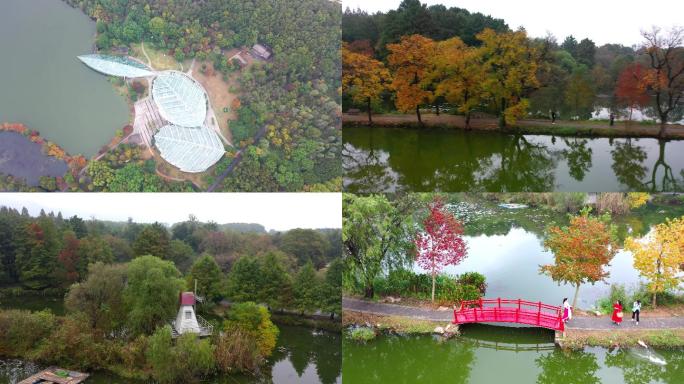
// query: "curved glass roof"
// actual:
[[190, 149], [180, 99], [120, 66]]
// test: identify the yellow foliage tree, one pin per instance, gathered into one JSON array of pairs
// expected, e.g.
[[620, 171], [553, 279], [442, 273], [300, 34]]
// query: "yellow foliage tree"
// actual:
[[637, 199], [363, 77], [458, 75], [509, 62], [659, 256], [410, 61]]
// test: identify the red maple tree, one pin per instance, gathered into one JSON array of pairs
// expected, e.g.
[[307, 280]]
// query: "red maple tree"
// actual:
[[632, 87], [441, 243]]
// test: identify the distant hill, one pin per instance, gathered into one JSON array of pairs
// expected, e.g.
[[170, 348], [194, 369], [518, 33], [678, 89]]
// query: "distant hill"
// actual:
[[243, 227]]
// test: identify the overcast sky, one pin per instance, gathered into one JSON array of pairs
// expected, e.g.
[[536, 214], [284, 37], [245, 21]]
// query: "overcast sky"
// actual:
[[600, 20], [279, 211]]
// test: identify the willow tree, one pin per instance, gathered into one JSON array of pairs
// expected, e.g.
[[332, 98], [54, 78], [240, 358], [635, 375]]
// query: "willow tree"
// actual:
[[509, 62], [581, 251], [660, 255], [458, 75], [410, 61], [363, 78]]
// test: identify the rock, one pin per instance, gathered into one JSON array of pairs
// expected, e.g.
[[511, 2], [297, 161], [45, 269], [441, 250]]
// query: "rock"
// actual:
[[450, 328], [443, 308], [392, 300], [439, 330], [597, 313]]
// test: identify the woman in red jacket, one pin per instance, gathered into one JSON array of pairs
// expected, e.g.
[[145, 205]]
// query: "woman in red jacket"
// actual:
[[617, 313]]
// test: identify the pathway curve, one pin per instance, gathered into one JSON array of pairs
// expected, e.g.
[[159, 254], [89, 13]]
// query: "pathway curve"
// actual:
[[580, 323], [142, 47], [236, 160]]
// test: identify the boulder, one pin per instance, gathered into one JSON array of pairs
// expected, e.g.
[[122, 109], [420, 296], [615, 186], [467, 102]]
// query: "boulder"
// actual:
[[439, 330]]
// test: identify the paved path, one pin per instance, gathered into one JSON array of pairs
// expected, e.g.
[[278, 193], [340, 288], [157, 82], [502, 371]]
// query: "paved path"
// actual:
[[581, 323]]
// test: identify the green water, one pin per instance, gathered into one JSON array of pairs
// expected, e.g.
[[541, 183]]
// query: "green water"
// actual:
[[42, 83], [398, 159], [486, 354]]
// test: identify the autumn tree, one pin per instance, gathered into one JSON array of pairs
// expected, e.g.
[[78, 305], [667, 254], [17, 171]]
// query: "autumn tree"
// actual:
[[410, 62], [458, 76], [508, 61], [69, 257], [152, 240], [632, 87], [581, 251], [667, 69], [363, 77], [659, 255], [441, 243]]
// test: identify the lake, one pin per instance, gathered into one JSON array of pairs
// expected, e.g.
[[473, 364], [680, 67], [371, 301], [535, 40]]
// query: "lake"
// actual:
[[380, 159], [487, 354], [42, 83]]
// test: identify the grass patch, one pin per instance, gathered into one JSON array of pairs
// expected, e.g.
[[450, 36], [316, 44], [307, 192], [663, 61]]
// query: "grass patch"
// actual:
[[666, 338], [390, 324], [361, 335]]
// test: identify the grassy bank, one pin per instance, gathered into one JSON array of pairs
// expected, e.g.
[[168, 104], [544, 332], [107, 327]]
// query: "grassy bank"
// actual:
[[390, 324], [658, 338]]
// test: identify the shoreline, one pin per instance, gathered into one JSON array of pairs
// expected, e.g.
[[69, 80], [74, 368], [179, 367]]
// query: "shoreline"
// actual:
[[587, 129]]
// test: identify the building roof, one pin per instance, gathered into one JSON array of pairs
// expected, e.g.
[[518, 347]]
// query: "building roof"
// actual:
[[190, 149], [120, 66], [262, 50], [181, 100], [187, 298]]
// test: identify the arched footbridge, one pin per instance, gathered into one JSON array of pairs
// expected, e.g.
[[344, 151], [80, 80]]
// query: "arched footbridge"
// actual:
[[516, 311]]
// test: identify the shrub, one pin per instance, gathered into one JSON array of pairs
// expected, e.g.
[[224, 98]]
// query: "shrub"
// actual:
[[237, 351], [72, 345], [617, 292], [187, 361], [361, 334], [255, 321], [21, 331], [448, 290], [615, 203], [475, 279]]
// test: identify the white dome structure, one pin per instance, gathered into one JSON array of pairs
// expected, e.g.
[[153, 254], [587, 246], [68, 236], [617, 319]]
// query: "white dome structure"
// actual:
[[192, 150], [181, 100], [119, 66]]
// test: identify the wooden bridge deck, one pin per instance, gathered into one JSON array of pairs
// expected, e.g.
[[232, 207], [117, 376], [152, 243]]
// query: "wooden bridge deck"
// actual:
[[517, 311], [48, 376]]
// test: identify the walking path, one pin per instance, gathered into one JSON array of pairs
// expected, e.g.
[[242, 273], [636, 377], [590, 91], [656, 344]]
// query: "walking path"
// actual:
[[581, 323]]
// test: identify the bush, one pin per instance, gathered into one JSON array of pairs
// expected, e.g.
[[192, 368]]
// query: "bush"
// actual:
[[361, 334], [448, 290], [617, 292], [72, 345], [187, 361], [475, 279], [255, 321], [615, 203], [22, 331], [237, 351]]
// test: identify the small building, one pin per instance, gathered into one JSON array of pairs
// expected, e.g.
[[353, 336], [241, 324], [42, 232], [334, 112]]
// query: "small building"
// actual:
[[261, 51], [187, 320]]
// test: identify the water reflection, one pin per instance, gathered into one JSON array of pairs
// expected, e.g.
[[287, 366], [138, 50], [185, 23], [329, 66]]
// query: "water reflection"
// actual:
[[391, 159], [571, 367]]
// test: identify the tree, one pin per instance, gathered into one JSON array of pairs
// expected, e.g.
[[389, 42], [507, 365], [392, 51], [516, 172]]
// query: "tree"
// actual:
[[579, 92], [458, 75], [92, 249], [100, 297], [254, 320], [37, 251], [441, 243], [181, 254], [331, 290], [581, 250], [363, 77], [207, 274], [632, 87], [510, 72], [570, 45], [151, 295], [152, 240], [187, 360], [242, 279], [586, 53], [371, 228], [306, 245], [409, 62], [69, 257], [275, 285], [305, 289], [667, 70], [660, 255]]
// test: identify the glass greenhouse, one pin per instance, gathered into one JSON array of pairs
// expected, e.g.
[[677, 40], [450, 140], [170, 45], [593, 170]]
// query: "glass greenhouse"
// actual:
[[119, 66], [180, 99], [190, 149]]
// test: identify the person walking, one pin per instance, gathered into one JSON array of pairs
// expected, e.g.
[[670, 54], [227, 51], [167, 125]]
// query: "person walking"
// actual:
[[553, 117], [617, 313], [636, 309], [567, 310], [612, 119]]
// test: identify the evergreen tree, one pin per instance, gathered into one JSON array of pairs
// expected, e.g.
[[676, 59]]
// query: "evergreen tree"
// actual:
[[306, 289], [243, 278], [152, 240], [275, 284], [37, 250], [207, 274]]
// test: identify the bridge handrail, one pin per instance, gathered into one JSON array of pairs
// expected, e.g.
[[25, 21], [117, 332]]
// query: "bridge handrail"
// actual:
[[526, 312]]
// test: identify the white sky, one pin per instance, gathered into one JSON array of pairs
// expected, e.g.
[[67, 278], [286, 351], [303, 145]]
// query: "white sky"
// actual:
[[603, 21], [279, 211]]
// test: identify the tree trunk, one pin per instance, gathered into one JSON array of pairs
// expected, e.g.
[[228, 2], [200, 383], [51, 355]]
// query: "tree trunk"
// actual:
[[370, 120], [467, 121], [654, 299], [433, 287], [418, 114], [368, 292], [663, 126], [437, 107], [574, 299], [502, 117]]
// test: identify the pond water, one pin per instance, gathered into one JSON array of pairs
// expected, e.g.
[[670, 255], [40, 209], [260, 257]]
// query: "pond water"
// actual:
[[24, 159], [487, 354], [401, 159], [42, 83]]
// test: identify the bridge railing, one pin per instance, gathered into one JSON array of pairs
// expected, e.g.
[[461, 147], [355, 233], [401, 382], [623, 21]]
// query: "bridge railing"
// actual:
[[507, 310]]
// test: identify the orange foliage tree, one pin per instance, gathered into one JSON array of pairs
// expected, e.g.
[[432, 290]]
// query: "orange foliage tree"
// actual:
[[581, 250], [509, 62], [363, 77], [410, 61], [632, 87], [458, 76]]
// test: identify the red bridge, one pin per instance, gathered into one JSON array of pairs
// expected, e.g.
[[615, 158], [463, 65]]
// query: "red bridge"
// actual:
[[510, 311]]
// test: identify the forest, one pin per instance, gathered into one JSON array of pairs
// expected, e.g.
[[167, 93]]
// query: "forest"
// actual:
[[419, 57], [120, 283], [293, 99]]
